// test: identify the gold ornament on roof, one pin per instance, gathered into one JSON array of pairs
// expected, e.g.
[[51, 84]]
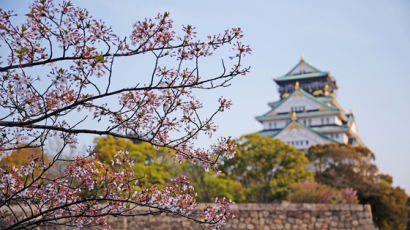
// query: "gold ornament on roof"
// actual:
[[327, 90], [317, 92], [293, 116], [302, 57], [294, 126], [297, 85], [273, 113]]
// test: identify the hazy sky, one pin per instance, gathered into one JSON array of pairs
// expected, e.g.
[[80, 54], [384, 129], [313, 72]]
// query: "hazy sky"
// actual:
[[364, 44]]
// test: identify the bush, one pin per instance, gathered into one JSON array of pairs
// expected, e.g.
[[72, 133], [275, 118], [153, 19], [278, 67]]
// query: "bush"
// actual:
[[312, 192]]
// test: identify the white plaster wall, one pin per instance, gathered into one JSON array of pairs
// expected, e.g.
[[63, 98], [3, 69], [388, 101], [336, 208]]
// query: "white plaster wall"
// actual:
[[290, 135], [345, 138], [280, 124], [318, 120], [354, 129], [314, 121], [337, 136], [337, 120], [295, 101], [341, 137], [327, 120]]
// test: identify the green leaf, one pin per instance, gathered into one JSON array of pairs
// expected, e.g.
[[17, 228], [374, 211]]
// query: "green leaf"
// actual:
[[100, 58], [22, 50]]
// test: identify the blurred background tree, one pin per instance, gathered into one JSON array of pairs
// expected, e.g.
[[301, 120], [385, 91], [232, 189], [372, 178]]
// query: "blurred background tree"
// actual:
[[153, 166], [341, 166], [23, 156], [266, 167], [209, 185], [266, 170]]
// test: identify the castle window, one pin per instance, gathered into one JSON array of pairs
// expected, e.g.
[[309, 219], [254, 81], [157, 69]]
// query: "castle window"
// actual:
[[274, 124], [307, 142], [297, 108], [327, 120], [321, 120]]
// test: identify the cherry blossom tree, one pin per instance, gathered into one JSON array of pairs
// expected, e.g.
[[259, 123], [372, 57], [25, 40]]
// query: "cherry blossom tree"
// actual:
[[57, 76]]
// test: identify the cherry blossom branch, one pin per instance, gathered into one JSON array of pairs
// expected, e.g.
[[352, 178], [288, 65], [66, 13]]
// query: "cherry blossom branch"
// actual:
[[60, 66]]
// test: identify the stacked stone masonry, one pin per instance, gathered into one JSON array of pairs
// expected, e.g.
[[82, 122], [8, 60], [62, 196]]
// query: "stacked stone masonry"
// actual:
[[264, 216]]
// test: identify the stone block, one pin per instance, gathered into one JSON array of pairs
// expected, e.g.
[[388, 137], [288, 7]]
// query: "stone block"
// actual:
[[261, 216], [356, 207]]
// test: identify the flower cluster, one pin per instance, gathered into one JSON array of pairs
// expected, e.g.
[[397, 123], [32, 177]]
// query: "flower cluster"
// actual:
[[312, 192], [90, 190]]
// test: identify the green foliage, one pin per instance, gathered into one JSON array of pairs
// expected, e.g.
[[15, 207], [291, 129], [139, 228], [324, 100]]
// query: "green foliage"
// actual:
[[209, 185], [23, 156], [312, 192], [266, 167], [151, 165], [157, 167], [388, 204], [344, 166]]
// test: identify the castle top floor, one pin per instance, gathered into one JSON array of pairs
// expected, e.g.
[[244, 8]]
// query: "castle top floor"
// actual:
[[310, 79]]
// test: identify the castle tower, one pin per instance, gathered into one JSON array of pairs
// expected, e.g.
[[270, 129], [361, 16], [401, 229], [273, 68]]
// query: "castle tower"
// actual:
[[308, 113]]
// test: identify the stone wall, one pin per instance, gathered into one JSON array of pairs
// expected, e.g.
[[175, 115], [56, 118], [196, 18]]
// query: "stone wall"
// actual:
[[265, 216]]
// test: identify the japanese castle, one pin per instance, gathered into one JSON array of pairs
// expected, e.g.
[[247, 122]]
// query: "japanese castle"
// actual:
[[307, 112]]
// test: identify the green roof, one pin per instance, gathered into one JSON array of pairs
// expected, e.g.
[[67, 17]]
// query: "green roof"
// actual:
[[325, 99], [320, 134], [270, 133], [276, 132], [288, 115], [326, 129], [276, 104], [350, 119], [312, 72], [300, 76]]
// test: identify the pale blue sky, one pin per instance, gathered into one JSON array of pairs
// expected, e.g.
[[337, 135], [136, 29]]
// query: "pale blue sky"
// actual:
[[364, 44]]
